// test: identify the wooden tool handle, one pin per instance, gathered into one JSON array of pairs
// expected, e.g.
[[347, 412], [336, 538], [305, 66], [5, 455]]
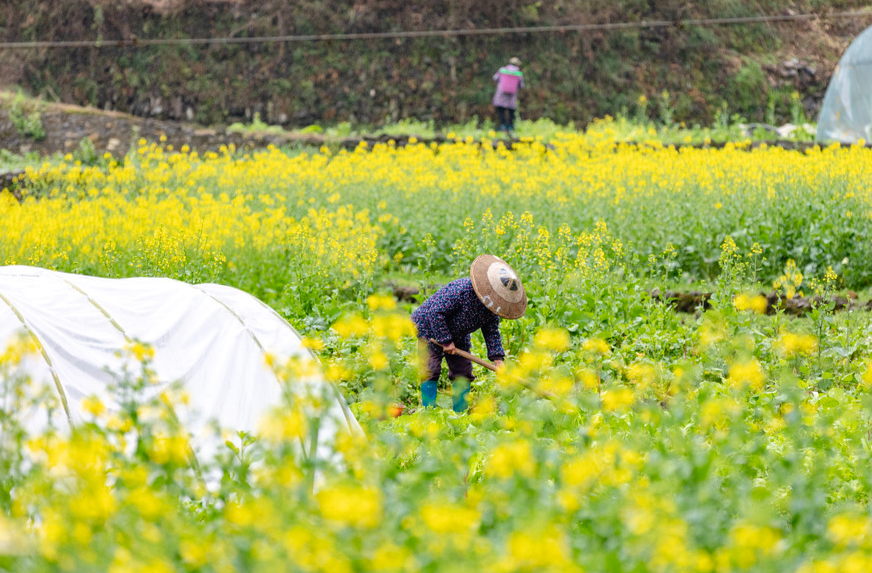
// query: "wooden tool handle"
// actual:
[[469, 356], [489, 366]]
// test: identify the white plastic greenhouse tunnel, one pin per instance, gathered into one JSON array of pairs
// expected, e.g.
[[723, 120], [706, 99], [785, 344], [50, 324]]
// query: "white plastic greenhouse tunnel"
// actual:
[[209, 342], [846, 114]]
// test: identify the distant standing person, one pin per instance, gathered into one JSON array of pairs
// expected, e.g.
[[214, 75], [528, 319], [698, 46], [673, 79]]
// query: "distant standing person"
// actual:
[[509, 81]]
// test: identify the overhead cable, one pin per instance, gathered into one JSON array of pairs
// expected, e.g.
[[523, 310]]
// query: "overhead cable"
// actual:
[[562, 28]]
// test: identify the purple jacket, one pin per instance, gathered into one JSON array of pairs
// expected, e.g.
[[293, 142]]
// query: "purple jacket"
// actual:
[[453, 313]]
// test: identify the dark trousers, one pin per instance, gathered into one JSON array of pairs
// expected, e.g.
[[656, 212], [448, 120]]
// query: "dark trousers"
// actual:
[[506, 117], [430, 359]]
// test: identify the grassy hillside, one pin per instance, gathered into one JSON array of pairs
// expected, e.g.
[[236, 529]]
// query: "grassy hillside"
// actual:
[[687, 73]]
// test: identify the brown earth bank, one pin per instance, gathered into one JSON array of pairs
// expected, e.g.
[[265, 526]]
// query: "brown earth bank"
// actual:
[[573, 76], [66, 127], [694, 301]]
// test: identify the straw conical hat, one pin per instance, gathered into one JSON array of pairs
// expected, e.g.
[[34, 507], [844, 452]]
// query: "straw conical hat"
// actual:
[[498, 286]]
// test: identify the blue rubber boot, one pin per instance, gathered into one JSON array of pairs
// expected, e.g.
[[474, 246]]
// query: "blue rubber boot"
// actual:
[[459, 394], [428, 394]]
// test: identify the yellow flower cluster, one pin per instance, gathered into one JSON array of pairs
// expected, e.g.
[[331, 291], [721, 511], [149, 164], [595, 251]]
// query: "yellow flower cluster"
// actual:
[[157, 215], [596, 345], [789, 281], [755, 303], [198, 216], [747, 373], [351, 505], [508, 460], [792, 344]]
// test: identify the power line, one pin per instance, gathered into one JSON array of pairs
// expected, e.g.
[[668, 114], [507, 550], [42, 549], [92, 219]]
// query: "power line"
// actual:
[[137, 42]]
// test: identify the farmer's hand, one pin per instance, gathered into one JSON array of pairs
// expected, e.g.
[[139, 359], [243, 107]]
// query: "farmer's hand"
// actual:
[[449, 348], [498, 364]]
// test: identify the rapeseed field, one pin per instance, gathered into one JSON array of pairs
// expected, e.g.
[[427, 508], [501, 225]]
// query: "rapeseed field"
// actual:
[[620, 436]]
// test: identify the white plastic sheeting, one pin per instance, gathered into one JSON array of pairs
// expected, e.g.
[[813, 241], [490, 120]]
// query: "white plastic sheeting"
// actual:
[[846, 114], [209, 340]]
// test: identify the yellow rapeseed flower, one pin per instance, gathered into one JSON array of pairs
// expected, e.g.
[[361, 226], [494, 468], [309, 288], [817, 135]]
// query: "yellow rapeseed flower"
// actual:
[[353, 506], [617, 399], [792, 344], [391, 557], [748, 373], [141, 351], [282, 425], [378, 360], [596, 345], [351, 325], [510, 459], [93, 406], [483, 409], [553, 339], [170, 449], [446, 518], [755, 303], [750, 542], [642, 374], [312, 343], [589, 378], [540, 550], [381, 302], [848, 529]]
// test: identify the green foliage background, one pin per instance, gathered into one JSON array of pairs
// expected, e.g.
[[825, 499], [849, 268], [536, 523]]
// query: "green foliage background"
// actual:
[[572, 76]]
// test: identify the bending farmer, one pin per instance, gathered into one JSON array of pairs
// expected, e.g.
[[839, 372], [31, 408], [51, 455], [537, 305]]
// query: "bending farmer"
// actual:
[[509, 80], [461, 307]]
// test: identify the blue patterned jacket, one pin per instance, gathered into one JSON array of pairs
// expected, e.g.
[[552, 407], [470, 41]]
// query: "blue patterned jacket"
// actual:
[[453, 313]]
